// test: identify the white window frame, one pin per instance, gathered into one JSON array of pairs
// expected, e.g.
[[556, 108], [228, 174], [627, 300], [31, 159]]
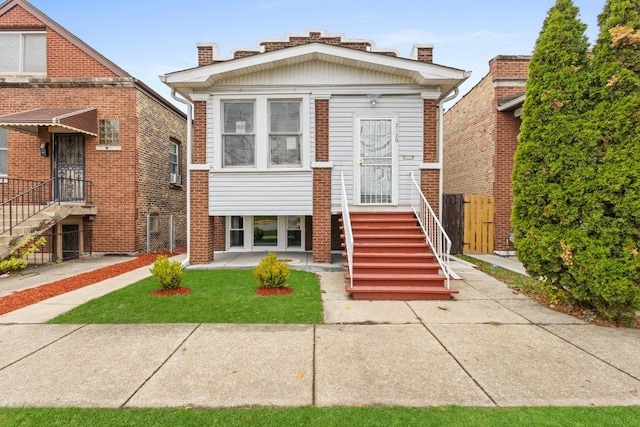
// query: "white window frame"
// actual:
[[282, 245], [223, 133], [261, 130], [297, 134], [21, 59], [173, 143]]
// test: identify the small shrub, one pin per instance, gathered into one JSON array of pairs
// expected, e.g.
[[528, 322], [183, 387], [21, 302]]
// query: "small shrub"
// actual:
[[18, 258], [169, 274], [271, 273]]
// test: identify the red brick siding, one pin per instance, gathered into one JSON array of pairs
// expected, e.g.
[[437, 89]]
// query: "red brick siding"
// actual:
[[205, 55], [322, 130], [64, 59], [219, 233], [157, 126], [322, 215], [113, 173], [118, 186], [480, 142], [202, 225], [18, 18], [430, 179], [468, 142], [322, 187]]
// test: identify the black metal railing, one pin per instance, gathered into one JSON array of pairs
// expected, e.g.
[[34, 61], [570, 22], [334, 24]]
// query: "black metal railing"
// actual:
[[74, 245], [22, 199]]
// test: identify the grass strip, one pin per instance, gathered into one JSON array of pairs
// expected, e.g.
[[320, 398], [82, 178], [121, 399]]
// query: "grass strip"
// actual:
[[217, 296], [334, 416]]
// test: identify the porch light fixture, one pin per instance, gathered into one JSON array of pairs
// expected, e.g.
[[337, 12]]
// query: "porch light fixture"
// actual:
[[44, 149], [373, 99]]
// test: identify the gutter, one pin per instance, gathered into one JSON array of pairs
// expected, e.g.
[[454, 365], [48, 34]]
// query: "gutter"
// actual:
[[189, 105]]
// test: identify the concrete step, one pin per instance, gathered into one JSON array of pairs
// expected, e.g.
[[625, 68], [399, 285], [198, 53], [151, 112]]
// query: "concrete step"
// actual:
[[400, 293]]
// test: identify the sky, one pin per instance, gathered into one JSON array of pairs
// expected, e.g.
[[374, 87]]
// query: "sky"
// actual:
[[149, 38]]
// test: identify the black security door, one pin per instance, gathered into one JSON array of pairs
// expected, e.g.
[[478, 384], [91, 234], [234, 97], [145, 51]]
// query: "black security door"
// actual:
[[68, 161]]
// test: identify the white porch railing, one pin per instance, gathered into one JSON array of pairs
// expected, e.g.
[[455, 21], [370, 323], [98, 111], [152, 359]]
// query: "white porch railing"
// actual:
[[436, 236], [348, 234]]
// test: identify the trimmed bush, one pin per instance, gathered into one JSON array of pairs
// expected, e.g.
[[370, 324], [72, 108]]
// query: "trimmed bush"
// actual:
[[271, 272], [18, 258], [167, 273]]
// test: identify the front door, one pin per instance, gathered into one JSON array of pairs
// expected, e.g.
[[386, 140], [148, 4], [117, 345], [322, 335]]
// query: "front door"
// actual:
[[375, 170], [68, 166]]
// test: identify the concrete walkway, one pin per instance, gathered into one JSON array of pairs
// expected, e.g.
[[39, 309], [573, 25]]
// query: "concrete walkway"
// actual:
[[488, 347]]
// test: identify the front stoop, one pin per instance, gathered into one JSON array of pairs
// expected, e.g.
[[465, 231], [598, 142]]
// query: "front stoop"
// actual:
[[392, 261]]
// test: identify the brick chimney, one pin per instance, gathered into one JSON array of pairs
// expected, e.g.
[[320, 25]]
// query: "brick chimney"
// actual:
[[206, 53], [423, 53]]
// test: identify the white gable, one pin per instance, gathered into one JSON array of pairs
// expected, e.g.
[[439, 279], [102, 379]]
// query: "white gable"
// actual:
[[316, 73]]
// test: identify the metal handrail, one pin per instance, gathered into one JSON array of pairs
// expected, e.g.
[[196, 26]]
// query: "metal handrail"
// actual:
[[348, 233], [436, 237], [42, 194]]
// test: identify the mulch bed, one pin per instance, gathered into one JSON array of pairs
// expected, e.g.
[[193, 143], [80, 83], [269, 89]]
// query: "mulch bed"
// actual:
[[27, 297], [169, 292], [263, 291]]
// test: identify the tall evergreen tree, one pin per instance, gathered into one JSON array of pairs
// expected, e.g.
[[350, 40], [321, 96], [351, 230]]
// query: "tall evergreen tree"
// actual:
[[553, 169], [613, 275]]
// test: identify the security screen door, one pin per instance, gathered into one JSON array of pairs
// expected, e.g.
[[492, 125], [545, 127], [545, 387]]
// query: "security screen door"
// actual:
[[375, 162]]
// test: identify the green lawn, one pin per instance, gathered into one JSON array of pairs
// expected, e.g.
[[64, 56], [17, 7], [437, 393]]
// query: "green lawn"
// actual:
[[217, 296], [334, 416]]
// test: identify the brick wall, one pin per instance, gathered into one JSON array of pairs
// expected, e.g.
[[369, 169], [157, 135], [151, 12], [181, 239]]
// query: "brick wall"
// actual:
[[157, 127], [468, 142], [430, 179], [18, 18], [480, 142], [506, 71], [202, 225], [322, 187], [119, 190]]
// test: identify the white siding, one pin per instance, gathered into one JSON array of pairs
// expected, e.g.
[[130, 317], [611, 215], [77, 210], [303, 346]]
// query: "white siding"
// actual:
[[316, 73], [260, 193], [343, 113]]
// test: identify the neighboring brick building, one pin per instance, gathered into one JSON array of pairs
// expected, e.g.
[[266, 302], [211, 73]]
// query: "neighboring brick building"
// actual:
[[70, 114], [276, 127], [480, 140]]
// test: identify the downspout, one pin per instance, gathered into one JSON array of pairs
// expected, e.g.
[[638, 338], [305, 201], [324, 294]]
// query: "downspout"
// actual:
[[189, 105], [455, 93]]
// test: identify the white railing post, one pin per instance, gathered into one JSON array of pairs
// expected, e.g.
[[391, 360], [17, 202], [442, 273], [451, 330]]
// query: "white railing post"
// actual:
[[434, 232], [348, 233]]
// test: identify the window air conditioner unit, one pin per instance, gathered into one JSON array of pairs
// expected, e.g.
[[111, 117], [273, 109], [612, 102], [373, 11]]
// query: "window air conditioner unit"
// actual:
[[174, 178]]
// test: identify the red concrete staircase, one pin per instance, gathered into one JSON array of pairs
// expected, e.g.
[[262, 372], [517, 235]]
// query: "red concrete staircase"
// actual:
[[392, 261]]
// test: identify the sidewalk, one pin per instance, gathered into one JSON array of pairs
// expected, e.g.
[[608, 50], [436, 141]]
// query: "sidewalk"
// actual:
[[488, 347]]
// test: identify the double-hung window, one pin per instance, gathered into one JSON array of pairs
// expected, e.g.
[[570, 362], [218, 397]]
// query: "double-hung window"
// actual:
[[174, 162], [284, 133], [238, 137], [23, 53]]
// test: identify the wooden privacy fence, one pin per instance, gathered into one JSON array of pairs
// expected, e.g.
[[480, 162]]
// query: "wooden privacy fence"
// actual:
[[478, 224], [453, 220]]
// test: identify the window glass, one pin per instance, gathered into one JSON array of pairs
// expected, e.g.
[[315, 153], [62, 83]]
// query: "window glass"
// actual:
[[110, 132], [10, 52], [173, 158], [3, 151], [237, 231], [238, 139], [35, 53], [294, 231], [284, 133]]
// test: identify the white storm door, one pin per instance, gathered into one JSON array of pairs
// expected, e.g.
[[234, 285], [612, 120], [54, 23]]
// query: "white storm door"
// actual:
[[375, 171]]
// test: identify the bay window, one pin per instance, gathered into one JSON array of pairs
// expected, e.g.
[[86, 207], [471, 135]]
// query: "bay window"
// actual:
[[260, 132]]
